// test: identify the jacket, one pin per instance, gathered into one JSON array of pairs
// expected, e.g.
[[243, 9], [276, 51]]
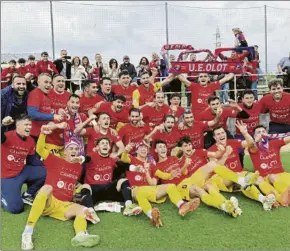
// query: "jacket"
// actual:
[[59, 66], [130, 68]]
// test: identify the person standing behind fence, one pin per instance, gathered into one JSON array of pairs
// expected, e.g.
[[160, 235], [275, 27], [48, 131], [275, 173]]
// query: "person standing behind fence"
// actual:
[[142, 67], [112, 71], [21, 70], [6, 74], [284, 69], [240, 39], [78, 73], [129, 67], [31, 67], [45, 66], [257, 59], [97, 73], [86, 64]]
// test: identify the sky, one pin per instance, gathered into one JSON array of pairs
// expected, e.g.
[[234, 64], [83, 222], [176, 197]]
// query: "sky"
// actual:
[[138, 28]]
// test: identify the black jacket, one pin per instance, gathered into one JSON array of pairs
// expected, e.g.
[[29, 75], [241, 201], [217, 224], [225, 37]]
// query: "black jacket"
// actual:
[[59, 66], [130, 68]]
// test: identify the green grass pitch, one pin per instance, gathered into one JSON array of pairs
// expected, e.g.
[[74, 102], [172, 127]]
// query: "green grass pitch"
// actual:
[[204, 229]]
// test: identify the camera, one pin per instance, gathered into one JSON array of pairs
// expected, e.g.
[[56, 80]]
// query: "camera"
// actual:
[[67, 57]]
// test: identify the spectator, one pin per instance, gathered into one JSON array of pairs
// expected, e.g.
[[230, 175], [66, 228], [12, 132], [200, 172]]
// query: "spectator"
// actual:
[[86, 65], [14, 100], [257, 59], [78, 73], [284, 69], [97, 73], [31, 67], [63, 66], [45, 66], [21, 70], [252, 79], [240, 40], [143, 66], [129, 67], [7, 73], [160, 65], [112, 71], [175, 100], [106, 89]]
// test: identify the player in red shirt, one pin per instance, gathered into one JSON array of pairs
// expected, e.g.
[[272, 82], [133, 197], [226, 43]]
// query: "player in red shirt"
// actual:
[[278, 105], [233, 163], [215, 107], [175, 107], [7, 73], [31, 66], [124, 88], [265, 155], [54, 198], [134, 132], [154, 114], [144, 185], [39, 106], [99, 175], [116, 110], [17, 150], [100, 129], [58, 95], [45, 66], [21, 69], [200, 92], [89, 98], [195, 129]]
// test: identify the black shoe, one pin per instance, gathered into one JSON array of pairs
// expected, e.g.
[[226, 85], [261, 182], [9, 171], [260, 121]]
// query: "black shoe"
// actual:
[[27, 199], [78, 198]]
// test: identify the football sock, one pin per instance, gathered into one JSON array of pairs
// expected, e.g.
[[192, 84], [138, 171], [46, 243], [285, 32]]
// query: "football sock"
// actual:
[[126, 191], [226, 174], [267, 188], [174, 195], [252, 192], [36, 209], [87, 200], [80, 224], [211, 200], [217, 195], [143, 202]]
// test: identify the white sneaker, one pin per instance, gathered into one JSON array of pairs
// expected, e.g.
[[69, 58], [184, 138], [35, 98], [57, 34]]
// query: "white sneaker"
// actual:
[[92, 216], [26, 242], [268, 202], [85, 240], [238, 211]]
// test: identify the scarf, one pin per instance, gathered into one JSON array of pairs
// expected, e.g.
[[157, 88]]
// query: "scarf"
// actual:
[[263, 145], [70, 136]]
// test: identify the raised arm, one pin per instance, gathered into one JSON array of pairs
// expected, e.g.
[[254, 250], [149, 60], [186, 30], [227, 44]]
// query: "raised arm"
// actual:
[[184, 80], [249, 141], [226, 78], [40, 146]]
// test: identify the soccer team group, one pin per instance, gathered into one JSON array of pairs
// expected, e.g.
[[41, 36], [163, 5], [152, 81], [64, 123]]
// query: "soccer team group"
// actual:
[[78, 150]]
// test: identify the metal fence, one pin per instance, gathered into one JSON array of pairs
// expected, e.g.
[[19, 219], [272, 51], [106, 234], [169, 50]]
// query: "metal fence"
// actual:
[[138, 29]]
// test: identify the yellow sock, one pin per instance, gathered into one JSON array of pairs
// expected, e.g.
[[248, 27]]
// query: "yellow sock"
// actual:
[[252, 192], [143, 202], [36, 209], [80, 224], [216, 194], [267, 188], [173, 194], [280, 186], [226, 173], [211, 200]]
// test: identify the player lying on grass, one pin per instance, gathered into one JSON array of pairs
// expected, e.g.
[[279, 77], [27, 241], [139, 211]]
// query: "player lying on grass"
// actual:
[[265, 155], [233, 163], [54, 198], [145, 188]]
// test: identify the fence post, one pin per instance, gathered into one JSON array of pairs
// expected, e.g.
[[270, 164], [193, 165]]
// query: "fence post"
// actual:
[[266, 39], [52, 30], [166, 22]]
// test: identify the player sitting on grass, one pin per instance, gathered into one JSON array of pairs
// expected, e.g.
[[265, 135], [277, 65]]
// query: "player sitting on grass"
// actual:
[[265, 155], [54, 198], [233, 163], [145, 188]]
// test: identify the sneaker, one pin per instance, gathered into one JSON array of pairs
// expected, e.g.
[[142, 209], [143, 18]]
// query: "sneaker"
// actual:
[[91, 215], [78, 198], [269, 201], [85, 240], [27, 199], [156, 221], [251, 178], [189, 206], [237, 210], [26, 242], [132, 209]]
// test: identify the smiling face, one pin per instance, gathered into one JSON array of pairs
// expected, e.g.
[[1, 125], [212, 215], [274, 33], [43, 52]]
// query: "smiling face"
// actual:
[[188, 119], [44, 83], [71, 152], [169, 124], [220, 136], [187, 149], [142, 151], [159, 98], [73, 105], [104, 121], [248, 100], [215, 105], [118, 105], [192, 57], [124, 80], [91, 90], [145, 80], [23, 127], [58, 84], [44, 58], [203, 79], [259, 132], [134, 118], [276, 92], [103, 147], [98, 58], [161, 150], [19, 86]]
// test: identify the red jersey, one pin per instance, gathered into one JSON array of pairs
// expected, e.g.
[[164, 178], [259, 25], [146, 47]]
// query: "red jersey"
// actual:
[[21, 70], [129, 133], [200, 94], [196, 133], [99, 169], [89, 103], [58, 100], [268, 162], [14, 152], [93, 136], [31, 69], [198, 159], [116, 117], [146, 95], [179, 112], [207, 115], [62, 176], [253, 120], [279, 111], [152, 115], [127, 93], [42, 67], [233, 161], [39, 100], [5, 72], [171, 163]]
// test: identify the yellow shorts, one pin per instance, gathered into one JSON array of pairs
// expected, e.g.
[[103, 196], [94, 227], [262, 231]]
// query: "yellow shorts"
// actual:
[[196, 179], [284, 177], [55, 150], [57, 209], [151, 191]]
